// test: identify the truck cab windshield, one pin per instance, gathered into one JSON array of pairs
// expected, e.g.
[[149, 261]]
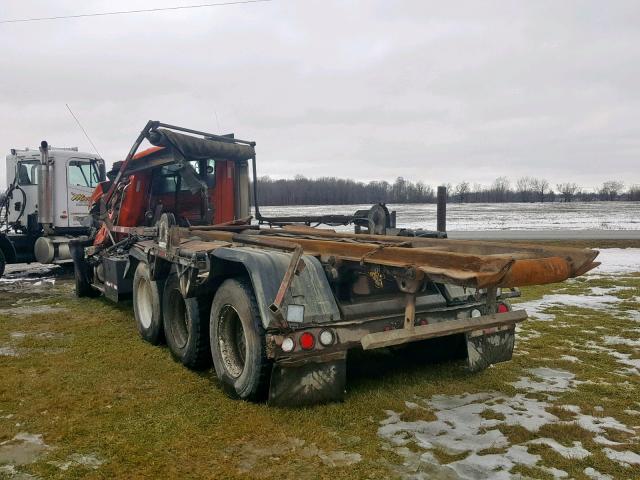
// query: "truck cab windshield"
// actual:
[[83, 173]]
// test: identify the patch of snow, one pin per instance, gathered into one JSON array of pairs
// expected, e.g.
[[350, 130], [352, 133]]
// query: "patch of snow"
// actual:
[[608, 290], [498, 466], [602, 440], [633, 365], [615, 340], [570, 358], [576, 452], [22, 449], [251, 454], [23, 311], [595, 474], [616, 261], [600, 424], [547, 380], [8, 351], [91, 461], [536, 308], [625, 458], [460, 427]]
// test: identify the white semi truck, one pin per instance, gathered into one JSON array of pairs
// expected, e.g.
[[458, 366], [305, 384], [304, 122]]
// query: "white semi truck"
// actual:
[[46, 203]]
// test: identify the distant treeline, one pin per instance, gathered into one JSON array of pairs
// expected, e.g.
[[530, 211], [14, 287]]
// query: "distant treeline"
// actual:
[[338, 191]]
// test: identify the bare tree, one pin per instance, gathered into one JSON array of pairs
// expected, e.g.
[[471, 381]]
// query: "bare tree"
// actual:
[[462, 191], [524, 186], [500, 188], [611, 189], [568, 190], [540, 186]]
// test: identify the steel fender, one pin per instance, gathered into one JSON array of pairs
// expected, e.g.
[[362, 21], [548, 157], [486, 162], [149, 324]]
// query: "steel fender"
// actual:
[[266, 270], [7, 248]]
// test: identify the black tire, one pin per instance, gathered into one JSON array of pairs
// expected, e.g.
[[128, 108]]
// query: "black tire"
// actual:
[[147, 305], [81, 270], [83, 285], [3, 263], [186, 325], [238, 343]]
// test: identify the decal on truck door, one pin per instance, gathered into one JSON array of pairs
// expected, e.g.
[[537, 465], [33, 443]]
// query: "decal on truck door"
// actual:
[[82, 178]]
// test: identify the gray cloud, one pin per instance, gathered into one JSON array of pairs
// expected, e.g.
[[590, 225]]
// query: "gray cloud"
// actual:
[[432, 91]]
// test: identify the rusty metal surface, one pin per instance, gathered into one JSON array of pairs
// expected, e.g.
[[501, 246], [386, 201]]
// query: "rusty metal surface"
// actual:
[[467, 263], [423, 332]]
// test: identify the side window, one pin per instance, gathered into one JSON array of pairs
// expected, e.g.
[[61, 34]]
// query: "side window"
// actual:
[[83, 174], [165, 180], [27, 173]]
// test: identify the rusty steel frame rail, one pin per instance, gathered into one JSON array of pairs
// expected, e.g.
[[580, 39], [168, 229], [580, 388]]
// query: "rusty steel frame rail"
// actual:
[[471, 264], [423, 332]]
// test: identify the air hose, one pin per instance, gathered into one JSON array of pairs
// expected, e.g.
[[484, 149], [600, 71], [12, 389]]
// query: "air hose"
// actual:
[[8, 195]]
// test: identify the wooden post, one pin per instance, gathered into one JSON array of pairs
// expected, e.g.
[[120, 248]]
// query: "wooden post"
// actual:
[[410, 311], [442, 209]]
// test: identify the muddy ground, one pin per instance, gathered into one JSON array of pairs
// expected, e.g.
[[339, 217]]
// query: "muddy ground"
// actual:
[[81, 396]]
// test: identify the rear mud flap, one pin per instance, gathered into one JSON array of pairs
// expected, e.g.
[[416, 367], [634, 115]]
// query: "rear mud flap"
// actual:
[[308, 382], [485, 347]]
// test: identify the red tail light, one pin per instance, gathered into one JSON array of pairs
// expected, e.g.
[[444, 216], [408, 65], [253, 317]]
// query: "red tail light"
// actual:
[[307, 342], [502, 308]]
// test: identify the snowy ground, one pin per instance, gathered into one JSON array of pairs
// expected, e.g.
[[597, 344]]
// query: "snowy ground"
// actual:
[[498, 216], [566, 406], [468, 438]]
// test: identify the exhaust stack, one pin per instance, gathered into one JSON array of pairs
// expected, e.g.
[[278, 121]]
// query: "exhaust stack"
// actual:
[[45, 186]]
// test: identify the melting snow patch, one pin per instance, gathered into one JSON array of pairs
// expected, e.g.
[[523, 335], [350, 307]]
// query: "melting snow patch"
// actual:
[[576, 452], [547, 380], [468, 424], [595, 474], [461, 428], [7, 351], [22, 449], [24, 311], [632, 364], [570, 358], [252, 454], [91, 461], [613, 340], [617, 261], [626, 458], [536, 308], [608, 290]]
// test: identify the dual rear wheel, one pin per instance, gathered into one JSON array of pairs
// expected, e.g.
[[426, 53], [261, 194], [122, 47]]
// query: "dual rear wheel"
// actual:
[[227, 332]]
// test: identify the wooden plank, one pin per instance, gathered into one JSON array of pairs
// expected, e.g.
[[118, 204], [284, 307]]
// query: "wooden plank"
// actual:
[[423, 332]]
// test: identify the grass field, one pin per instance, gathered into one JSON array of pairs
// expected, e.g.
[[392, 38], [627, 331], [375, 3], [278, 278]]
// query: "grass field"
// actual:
[[81, 396]]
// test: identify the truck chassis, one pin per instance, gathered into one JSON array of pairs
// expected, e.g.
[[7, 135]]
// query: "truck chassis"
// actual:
[[277, 309]]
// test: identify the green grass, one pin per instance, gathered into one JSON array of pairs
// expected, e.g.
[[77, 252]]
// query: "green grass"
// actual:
[[96, 388]]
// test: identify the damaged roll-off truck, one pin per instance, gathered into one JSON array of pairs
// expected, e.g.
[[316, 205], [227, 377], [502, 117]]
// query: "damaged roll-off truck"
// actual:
[[275, 303]]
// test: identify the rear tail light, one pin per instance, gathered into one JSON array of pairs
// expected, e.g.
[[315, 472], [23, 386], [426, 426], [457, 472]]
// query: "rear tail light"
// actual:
[[287, 345], [502, 308], [307, 342], [326, 338]]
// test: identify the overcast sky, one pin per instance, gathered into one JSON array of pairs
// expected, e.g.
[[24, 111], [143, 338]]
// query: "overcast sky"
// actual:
[[433, 91]]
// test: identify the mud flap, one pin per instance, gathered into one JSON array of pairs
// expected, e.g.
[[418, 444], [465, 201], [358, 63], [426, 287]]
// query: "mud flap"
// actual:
[[485, 347], [308, 382]]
